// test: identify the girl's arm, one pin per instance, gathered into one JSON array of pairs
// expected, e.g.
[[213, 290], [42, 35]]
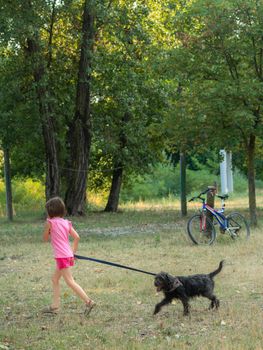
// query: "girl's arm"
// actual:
[[76, 239], [46, 232]]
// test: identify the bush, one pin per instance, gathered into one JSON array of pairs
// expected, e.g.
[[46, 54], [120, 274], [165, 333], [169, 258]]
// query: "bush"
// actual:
[[28, 195], [160, 182], [240, 182], [2, 199], [164, 180]]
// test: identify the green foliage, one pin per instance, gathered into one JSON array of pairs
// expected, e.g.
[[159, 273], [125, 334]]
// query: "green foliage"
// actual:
[[129, 93], [160, 182], [215, 70], [240, 182], [164, 180], [186, 76], [2, 199], [28, 195], [198, 180]]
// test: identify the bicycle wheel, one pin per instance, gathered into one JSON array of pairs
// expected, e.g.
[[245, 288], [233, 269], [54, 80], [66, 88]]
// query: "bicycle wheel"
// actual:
[[201, 229], [238, 226]]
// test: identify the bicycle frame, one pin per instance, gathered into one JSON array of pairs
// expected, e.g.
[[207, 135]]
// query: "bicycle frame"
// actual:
[[219, 216], [231, 224]]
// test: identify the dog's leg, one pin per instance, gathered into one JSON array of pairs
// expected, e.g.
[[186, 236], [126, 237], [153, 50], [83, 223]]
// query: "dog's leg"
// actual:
[[214, 301], [186, 305], [158, 306]]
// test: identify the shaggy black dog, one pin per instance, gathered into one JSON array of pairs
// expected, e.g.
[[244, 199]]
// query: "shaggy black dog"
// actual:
[[186, 287]]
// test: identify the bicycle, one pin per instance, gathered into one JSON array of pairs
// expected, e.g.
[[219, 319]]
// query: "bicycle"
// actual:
[[201, 227]]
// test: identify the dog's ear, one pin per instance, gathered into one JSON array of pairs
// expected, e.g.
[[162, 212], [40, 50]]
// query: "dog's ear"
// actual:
[[166, 277], [163, 275]]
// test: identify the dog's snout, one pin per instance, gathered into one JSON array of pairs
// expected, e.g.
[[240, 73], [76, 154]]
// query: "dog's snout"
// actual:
[[158, 284]]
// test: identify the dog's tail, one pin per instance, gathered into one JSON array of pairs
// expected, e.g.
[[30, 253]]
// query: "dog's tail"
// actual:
[[212, 274]]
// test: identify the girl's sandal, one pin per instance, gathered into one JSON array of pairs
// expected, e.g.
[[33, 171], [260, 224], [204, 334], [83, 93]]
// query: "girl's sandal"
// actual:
[[88, 307], [50, 310]]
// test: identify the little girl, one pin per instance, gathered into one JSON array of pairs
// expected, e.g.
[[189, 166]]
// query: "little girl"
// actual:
[[59, 229]]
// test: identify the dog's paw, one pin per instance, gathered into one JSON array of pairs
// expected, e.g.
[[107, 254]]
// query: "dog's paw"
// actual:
[[156, 310]]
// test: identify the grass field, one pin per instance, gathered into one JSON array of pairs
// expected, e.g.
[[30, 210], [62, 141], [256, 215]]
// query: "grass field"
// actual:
[[149, 237]]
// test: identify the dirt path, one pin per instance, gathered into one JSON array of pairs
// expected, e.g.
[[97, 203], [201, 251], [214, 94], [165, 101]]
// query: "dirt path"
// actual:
[[126, 230]]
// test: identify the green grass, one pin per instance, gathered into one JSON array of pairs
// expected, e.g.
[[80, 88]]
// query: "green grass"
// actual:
[[150, 237]]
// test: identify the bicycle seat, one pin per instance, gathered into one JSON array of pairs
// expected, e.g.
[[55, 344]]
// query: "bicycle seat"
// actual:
[[224, 196]]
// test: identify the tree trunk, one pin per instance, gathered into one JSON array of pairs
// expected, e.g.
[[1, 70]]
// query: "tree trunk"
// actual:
[[47, 119], [8, 186], [210, 200], [251, 180], [183, 184], [113, 200], [79, 135]]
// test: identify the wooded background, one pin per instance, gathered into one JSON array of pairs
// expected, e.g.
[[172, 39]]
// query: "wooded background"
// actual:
[[93, 93]]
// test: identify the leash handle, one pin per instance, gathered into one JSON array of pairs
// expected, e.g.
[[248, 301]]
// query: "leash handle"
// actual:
[[113, 264]]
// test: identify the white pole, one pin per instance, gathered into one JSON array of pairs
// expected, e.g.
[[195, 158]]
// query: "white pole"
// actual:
[[229, 172], [223, 172]]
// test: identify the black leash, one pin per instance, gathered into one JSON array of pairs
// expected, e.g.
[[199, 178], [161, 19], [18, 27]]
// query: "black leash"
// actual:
[[112, 264]]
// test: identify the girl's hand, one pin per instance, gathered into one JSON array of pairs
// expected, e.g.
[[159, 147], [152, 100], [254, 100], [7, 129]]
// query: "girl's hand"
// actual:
[[76, 238]]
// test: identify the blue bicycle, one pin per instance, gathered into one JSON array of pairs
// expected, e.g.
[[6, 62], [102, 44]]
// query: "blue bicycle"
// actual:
[[201, 227]]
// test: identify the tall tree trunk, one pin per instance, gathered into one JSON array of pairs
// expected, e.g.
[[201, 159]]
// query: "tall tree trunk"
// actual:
[[251, 179], [47, 119], [8, 186], [79, 135], [113, 200]]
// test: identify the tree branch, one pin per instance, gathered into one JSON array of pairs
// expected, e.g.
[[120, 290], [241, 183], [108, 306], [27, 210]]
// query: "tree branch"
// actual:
[[53, 15]]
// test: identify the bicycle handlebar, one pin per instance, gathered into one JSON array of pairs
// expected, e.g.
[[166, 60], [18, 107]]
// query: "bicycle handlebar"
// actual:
[[199, 196], [223, 197]]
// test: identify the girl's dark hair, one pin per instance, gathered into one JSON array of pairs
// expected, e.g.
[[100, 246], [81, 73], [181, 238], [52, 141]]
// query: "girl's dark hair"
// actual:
[[55, 207]]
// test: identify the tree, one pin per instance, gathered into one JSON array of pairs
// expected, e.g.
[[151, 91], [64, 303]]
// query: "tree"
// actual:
[[9, 128], [220, 65], [79, 135], [35, 55], [128, 96]]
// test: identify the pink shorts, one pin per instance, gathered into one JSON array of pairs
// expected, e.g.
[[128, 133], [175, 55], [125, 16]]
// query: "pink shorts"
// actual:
[[63, 263]]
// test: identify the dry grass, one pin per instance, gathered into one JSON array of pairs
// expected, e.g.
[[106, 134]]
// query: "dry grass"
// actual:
[[153, 240]]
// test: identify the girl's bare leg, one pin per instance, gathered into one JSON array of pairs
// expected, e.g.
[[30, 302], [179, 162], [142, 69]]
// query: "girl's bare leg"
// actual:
[[67, 275], [56, 289]]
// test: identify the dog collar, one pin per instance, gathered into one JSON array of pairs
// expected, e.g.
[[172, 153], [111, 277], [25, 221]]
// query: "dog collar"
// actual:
[[176, 284]]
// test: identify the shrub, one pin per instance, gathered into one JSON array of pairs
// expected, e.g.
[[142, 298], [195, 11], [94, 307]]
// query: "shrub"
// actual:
[[164, 180], [28, 195]]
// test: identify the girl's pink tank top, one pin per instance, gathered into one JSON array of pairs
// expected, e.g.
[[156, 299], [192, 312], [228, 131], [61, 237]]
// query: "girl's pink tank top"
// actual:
[[59, 237]]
